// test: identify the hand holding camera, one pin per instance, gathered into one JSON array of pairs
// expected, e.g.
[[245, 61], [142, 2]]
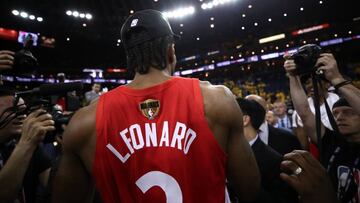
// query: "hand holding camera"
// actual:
[[328, 65], [6, 59], [290, 66], [35, 127]]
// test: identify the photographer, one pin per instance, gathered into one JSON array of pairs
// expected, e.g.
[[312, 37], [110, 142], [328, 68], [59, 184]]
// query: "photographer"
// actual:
[[23, 164], [340, 153], [300, 101]]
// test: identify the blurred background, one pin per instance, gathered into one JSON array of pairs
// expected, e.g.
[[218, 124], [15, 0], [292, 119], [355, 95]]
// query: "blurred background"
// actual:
[[239, 43]]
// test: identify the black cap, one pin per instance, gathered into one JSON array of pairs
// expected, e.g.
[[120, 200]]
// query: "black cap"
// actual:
[[341, 102], [150, 20]]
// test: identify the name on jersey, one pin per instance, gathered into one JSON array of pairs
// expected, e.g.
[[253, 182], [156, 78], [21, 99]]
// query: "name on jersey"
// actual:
[[135, 138]]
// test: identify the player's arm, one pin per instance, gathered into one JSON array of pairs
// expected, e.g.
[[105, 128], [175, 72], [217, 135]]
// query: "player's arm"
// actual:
[[73, 181], [242, 169], [242, 166]]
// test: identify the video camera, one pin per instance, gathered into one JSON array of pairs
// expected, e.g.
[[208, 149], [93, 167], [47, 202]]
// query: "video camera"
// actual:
[[305, 59], [40, 97], [24, 60]]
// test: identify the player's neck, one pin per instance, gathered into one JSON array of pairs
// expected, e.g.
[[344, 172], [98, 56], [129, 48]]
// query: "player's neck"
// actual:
[[153, 77]]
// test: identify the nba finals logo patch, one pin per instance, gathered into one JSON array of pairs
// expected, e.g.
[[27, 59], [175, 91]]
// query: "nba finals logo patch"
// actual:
[[150, 108]]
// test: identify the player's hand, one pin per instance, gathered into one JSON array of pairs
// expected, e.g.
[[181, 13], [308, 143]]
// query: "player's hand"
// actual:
[[6, 59], [307, 176], [35, 127], [328, 65], [289, 65]]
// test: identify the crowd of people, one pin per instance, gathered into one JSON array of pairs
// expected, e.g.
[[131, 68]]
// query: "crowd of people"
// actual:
[[162, 138]]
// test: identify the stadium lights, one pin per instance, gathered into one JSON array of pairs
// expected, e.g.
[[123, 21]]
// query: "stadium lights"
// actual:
[[272, 38], [26, 15], [215, 3], [179, 13], [88, 16], [77, 14], [15, 12]]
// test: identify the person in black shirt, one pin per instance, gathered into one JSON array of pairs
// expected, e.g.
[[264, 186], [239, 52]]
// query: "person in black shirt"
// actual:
[[340, 152], [23, 164], [344, 164]]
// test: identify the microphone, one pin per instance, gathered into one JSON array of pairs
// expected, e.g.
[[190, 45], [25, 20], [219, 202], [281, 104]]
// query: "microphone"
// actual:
[[53, 89]]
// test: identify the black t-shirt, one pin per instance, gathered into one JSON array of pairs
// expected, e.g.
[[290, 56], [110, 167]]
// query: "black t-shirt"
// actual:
[[38, 164], [341, 159]]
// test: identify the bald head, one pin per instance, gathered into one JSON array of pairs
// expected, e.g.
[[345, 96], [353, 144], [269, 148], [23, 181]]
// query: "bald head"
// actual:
[[258, 99]]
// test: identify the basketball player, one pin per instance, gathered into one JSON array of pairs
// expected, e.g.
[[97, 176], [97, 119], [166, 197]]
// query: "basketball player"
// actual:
[[159, 138]]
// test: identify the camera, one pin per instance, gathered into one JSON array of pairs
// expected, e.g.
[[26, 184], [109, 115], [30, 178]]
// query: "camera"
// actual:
[[305, 58], [59, 119], [24, 60]]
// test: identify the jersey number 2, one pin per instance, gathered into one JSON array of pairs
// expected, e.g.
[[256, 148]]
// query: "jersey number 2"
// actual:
[[166, 182]]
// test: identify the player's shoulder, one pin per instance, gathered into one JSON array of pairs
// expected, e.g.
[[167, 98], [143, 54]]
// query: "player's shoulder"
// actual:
[[81, 126], [219, 102], [216, 93]]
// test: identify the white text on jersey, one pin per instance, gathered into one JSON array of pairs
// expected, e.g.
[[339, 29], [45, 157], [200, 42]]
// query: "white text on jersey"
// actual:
[[182, 138]]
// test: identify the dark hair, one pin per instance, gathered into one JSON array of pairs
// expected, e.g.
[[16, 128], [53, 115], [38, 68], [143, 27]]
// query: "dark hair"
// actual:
[[254, 110], [6, 92], [148, 54]]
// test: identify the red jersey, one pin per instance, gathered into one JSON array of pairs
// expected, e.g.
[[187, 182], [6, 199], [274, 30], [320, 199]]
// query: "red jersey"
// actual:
[[155, 145]]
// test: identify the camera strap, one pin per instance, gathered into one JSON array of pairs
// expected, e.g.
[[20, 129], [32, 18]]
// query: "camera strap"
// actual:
[[330, 115], [317, 113]]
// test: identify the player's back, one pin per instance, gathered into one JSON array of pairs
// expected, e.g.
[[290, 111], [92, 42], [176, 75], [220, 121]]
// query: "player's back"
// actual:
[[155, 145]]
